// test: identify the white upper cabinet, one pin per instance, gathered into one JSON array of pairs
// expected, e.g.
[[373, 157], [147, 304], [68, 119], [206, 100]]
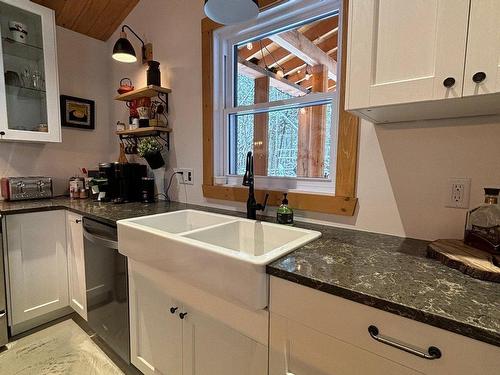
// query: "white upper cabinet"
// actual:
[[402, 51], [422, 59], [29, 88], [482, 68]]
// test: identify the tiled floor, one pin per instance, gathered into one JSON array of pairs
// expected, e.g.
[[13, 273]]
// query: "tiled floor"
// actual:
[[63, 348]]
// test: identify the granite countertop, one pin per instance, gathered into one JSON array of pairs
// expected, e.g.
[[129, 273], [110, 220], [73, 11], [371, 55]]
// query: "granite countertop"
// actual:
[[105, 212], [387, 272], [393, 274]]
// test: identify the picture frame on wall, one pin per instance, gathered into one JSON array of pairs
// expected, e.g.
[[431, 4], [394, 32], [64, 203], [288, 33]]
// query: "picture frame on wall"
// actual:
[[77, 112]]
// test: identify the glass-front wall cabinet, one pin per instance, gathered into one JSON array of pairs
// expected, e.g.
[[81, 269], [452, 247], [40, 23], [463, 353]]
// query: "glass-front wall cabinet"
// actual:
[[29, 109]]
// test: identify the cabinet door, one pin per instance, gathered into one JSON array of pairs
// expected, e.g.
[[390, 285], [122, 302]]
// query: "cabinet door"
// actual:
[[402, 51], [482, 68], [210, 347], [300, 350], [155, 332], [29, 88], [76, 264], [36, 250]]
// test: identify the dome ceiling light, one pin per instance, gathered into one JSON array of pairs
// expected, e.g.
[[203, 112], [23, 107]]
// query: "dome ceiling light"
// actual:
[[230, 12]]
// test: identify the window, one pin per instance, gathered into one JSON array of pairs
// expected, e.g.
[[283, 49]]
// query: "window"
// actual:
[[270, 86], [278, 82]]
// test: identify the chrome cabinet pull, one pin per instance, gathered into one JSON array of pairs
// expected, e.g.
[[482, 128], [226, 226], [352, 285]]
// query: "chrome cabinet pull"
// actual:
[[432, 351]]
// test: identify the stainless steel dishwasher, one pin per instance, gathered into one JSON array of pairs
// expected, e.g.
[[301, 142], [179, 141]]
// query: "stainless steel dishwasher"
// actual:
[[107, 286]]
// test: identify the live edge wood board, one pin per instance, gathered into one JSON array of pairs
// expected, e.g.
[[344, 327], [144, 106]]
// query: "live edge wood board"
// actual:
[[473, 262], [344, 201]]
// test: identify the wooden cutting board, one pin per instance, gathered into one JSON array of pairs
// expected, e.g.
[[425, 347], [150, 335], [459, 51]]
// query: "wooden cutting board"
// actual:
[[471, 261]]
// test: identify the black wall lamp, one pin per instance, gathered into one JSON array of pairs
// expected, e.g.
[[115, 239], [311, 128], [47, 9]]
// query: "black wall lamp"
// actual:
[[230, 12], [123, 50]]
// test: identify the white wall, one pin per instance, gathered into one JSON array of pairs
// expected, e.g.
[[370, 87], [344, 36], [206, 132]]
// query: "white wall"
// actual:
[[83, 72], [403, 168]]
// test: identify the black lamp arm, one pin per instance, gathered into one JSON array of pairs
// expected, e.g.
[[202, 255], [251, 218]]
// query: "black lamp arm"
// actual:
[[133, 32]]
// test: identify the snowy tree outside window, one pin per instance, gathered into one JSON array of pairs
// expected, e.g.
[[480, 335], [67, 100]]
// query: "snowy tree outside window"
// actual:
[[283, 133]]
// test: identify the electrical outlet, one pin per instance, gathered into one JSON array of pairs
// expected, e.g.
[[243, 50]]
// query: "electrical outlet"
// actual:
[[458, 192], [187, 176]]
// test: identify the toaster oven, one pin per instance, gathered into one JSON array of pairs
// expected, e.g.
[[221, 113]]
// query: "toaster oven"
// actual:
[[23, 188]]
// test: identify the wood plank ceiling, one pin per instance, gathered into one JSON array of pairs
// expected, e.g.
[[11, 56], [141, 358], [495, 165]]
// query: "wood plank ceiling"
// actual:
[[272, 53], [95, 18]]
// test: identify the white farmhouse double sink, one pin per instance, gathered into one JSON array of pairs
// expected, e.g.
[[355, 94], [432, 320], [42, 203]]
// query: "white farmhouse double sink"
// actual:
[[220, 254]]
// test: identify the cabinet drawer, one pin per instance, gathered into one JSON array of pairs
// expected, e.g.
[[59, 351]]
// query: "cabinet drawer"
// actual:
[[299, 350], [349, 321]]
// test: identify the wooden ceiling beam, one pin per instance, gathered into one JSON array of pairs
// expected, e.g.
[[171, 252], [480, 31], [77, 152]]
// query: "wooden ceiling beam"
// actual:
[[298, 77], [247, 54], [254, 71], [306, 50], [281, 54], [322, 29], [316, 33]]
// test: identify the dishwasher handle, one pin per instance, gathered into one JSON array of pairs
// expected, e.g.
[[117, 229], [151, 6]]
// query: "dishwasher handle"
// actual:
[[100, 241]]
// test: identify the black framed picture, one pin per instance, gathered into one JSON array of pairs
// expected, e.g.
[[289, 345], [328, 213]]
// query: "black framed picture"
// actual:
[[77, 112]]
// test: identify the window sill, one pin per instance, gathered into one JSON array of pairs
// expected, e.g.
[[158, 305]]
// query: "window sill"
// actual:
[[325, 203]]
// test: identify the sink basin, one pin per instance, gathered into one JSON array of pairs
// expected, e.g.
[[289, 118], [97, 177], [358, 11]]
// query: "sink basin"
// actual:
[[180, 221], [253, 241], [221, 254]]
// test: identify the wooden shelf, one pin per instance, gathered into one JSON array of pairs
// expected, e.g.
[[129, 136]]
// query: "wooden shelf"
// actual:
[[145, 92], [150, 130]]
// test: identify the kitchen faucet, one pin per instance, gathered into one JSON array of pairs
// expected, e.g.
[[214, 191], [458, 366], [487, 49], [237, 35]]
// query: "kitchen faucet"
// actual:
[[248, 180]]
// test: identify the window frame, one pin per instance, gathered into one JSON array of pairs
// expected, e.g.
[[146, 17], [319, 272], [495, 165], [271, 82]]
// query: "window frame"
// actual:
[[341, 200], [226, 39]]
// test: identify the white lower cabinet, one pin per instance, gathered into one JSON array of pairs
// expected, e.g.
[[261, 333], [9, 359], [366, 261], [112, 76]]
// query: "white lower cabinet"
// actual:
[[37, 264], [168, 337], [155, 333], [212, 348], [315, 333], [76, 264]]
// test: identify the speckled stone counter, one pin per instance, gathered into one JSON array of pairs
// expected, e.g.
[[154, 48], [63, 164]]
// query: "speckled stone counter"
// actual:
[[393, 274], [105, 212], [386, 272]]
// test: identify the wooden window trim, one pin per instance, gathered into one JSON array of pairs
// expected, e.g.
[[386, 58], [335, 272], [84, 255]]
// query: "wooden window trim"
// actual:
[[343, 202]]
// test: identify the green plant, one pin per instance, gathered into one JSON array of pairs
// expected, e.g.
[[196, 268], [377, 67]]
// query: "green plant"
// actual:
[[148, 146]]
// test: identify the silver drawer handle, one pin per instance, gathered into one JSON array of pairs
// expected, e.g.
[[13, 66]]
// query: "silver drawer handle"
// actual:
[[432, 351], [2, 315]]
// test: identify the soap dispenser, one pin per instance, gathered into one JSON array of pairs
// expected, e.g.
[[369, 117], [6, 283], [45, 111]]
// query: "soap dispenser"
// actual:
[[285, 213]]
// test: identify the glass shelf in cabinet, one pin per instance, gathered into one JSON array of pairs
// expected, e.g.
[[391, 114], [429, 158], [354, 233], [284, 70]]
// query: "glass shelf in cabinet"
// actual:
[[27, 92], [23, 50]]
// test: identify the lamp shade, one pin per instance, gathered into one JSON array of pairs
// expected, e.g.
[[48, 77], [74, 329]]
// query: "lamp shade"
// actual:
[[123, 51], [230, 12]]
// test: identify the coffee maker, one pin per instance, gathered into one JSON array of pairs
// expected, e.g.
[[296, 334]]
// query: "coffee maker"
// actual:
[[124, 181]]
